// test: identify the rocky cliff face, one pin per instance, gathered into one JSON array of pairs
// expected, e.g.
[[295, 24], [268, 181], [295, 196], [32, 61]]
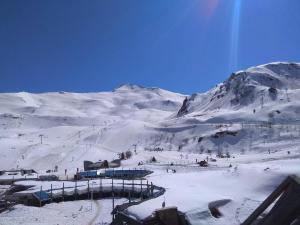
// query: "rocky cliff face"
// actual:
[[266, 85]]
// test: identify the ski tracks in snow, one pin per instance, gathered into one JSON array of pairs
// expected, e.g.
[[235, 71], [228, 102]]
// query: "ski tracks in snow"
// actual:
[[97, 214]]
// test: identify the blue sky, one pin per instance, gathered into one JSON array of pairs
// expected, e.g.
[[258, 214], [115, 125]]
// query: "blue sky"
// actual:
[[184, 46]]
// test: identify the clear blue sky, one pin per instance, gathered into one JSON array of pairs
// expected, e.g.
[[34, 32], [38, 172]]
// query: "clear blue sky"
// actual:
[[184, 46]]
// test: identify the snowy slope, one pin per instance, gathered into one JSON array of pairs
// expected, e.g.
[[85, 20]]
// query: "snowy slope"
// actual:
[[77, 126], [232, 117], [253, 116], [265, 93]]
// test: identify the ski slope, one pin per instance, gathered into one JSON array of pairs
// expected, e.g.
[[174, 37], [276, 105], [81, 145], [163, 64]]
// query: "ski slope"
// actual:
[[253, 116]]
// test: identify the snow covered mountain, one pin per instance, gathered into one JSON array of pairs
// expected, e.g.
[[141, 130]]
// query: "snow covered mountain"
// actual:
[[264, 93], [251, 119], [127, 101], [75, 125], [92, 126]]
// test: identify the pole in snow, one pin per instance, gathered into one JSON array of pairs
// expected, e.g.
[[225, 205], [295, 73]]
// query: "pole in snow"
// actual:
[[113, 198], [41, 136], [51, 193], [92, 197], [41, 197], [63, 192]]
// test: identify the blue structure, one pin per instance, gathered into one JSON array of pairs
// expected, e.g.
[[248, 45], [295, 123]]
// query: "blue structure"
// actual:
[[88, 174], [41, 196], [115, 173], [126, 173]]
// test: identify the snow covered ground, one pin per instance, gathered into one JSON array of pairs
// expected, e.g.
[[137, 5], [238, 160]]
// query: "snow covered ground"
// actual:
[[253, 117], [192, 189], [64, 213]]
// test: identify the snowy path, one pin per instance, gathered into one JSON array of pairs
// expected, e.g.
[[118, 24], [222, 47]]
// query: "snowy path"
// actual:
[[97, 214]]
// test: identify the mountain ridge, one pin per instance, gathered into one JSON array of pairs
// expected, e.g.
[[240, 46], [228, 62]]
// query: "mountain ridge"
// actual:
[[267, 85], [94, 126]]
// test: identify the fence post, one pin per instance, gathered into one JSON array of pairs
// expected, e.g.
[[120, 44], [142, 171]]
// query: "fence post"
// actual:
[[113, 198], [129, 196], [51, 194], [41, 197], [132, 187], [88, 194], [123, 187], [101, 187], [151, 189], [112, 185], [141, 187], [63, 192], [147, 188], [92, 194], [75, 189]]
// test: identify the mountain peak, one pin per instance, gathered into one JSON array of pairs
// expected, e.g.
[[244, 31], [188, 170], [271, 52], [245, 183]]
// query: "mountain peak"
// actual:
[[127, 86], [269, 84], [134, 87], [280, 75]]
